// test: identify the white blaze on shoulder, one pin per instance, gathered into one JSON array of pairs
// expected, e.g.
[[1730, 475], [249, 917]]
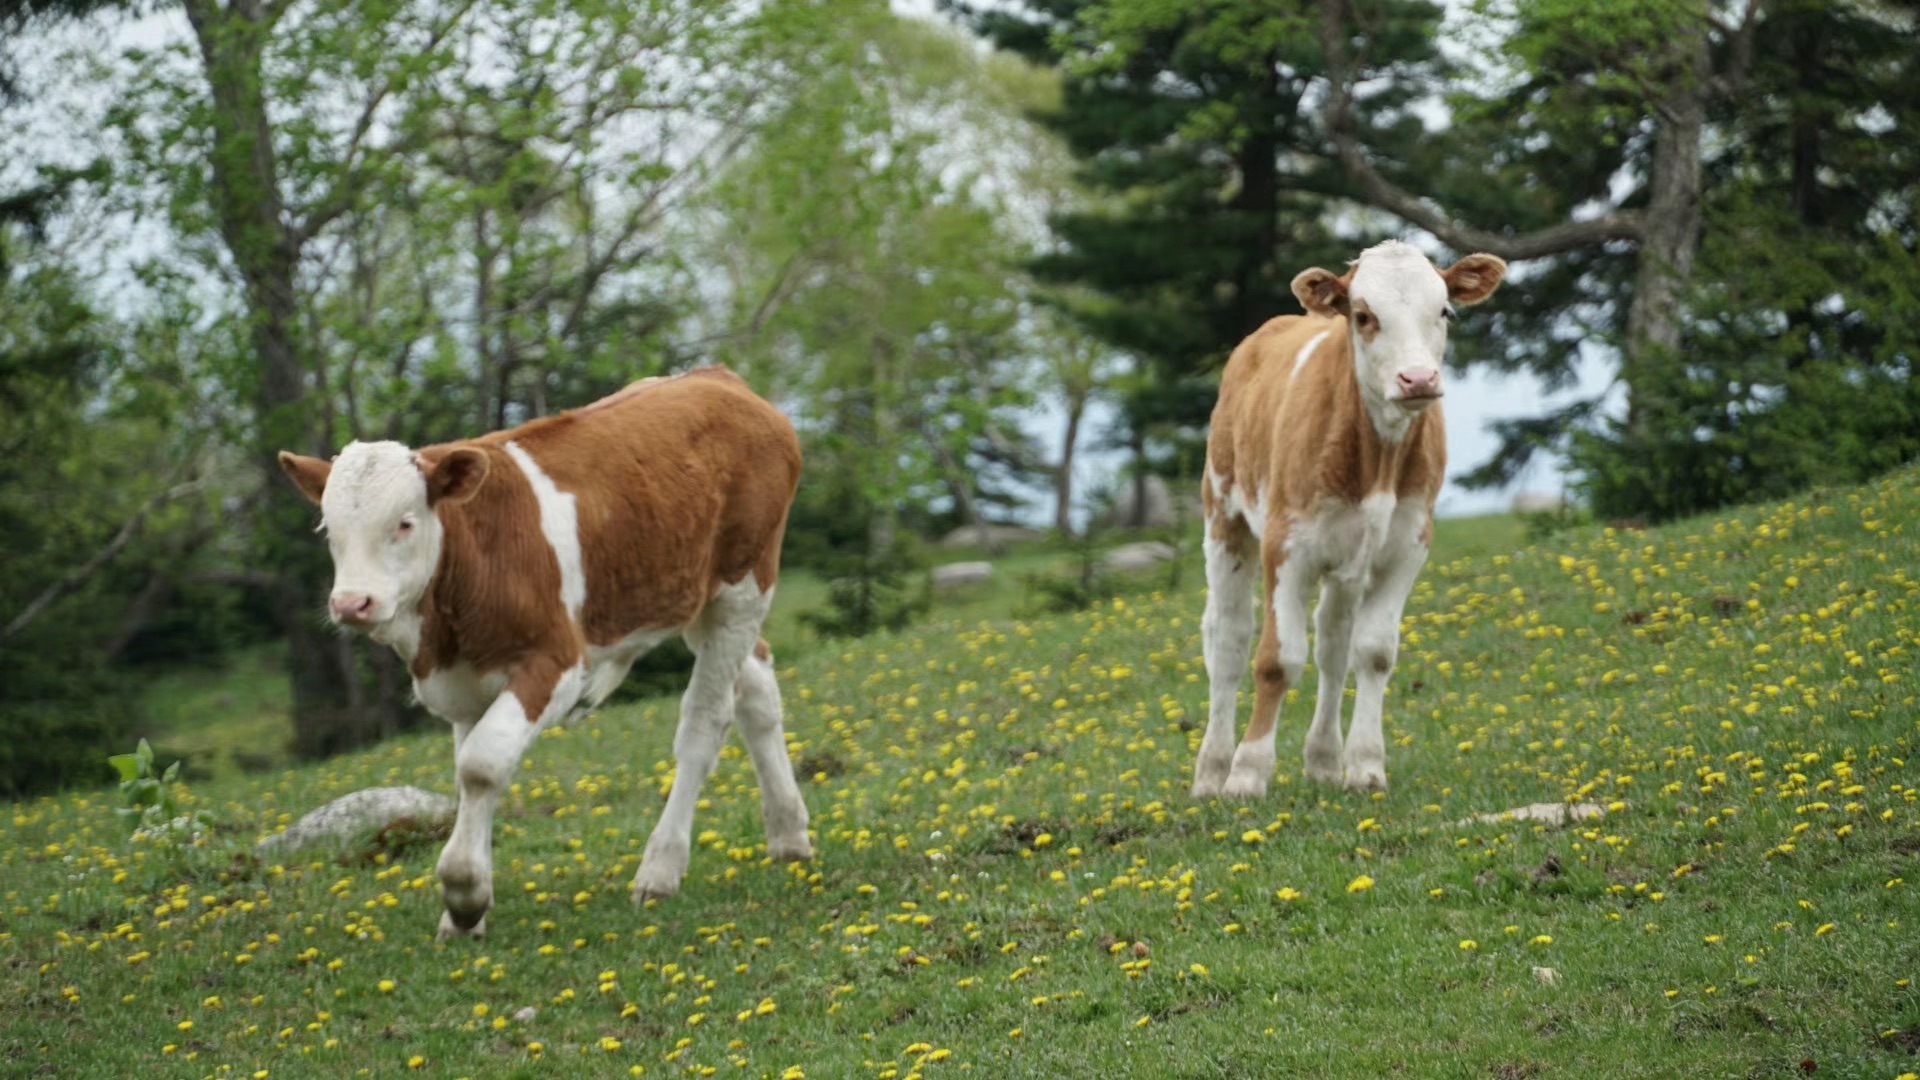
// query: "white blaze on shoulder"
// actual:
[[1306, 351], [560, 523]]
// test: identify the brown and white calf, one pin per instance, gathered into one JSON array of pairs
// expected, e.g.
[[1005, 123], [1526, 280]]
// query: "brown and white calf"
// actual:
[[1326, 454], [520, 575]]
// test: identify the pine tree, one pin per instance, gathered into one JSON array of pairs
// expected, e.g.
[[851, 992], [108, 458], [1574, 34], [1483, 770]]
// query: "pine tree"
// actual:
[[1196, 132]]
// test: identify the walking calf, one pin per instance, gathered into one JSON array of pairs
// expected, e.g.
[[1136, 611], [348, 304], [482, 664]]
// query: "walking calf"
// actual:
[[520, 575]]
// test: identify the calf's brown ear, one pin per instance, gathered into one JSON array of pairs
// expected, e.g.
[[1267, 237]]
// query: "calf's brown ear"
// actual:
[[307, 473], [1474, 278], [1320, 292], [456, 475]]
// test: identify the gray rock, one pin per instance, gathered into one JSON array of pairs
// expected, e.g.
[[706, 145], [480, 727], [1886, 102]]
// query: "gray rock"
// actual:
[[989, 536], [1545, 813], [1148, 505], [359, 813], [961, 574], [1144, 555], [1537, 502]]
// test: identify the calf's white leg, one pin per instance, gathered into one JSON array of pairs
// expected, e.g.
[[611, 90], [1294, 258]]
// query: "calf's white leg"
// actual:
[[1226, 638], [1376, 645], [1333, 623], [757, 712], [1280, 660], [486, 754], [722, 637]]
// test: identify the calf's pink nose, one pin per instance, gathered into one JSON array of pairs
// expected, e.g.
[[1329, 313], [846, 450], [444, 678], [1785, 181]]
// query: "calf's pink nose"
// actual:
[[1419, 384], [352, 607]]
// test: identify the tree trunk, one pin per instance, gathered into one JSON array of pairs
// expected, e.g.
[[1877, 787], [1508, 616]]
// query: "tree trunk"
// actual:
[[959, 485], [1137, 441], [1258, 164], [884, 525], [1670, 232], [1063, 478], [265, 252]]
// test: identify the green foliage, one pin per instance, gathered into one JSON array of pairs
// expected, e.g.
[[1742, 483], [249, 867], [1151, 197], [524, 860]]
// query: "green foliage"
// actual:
[[153, 811], [1080, 582], [1796, 368], [1079, 585], [58, 711], [871, 266], [869, 590]]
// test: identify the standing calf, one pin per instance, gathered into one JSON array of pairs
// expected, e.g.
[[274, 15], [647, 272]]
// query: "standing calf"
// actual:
[[520, 575], [1325, 457]]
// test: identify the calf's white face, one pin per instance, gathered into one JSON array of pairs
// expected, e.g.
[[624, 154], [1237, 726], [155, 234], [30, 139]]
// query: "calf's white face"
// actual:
[[377, 504], [1397, 307]]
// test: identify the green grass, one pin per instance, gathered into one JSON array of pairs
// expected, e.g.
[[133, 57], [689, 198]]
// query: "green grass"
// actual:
[[224, 718], [1011, 880], [231, 718]]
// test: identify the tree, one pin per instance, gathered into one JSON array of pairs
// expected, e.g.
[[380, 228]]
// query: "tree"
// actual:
[[1197, 137], [102, 491], [1799, 340], [267, 217], [1588, 84], [1669, 127], [877, 287], [451, 224], [1078, 369]]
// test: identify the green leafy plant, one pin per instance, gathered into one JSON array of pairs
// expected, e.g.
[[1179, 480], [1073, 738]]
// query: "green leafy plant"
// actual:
[[153, 810]]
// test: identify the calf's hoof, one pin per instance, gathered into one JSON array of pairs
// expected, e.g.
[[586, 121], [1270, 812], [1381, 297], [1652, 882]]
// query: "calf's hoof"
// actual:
[[790, 849], [661, 869], [1252, 770], [1239, 786], [1210, 776], [1324, 769], [452, 927], [1368, 779]]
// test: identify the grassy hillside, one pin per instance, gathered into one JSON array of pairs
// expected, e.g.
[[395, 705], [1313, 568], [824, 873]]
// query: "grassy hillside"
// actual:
[[1012, 881]]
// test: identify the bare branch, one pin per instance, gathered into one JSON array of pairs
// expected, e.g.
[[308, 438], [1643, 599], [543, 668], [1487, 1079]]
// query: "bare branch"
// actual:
[[339, 199], [1376, 190], [78, 577], [770, 302]]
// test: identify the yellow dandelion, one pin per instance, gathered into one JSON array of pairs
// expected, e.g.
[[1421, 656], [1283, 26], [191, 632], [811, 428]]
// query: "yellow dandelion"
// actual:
[[1360, 884]]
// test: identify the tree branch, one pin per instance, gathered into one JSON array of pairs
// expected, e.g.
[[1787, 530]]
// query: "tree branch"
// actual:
[[339, 199], [1731, 81], [1376, 190], [85, 572]]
